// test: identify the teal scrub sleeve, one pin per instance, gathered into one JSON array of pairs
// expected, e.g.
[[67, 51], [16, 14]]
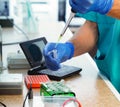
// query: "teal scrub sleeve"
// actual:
[[108, 53], [91, 16]]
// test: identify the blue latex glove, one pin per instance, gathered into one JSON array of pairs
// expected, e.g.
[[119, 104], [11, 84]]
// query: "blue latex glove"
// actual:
[[55, 54], [84, 6]]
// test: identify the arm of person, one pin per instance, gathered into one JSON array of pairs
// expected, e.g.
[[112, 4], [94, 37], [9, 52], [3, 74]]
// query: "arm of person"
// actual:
[[115, 10], [85, 39]]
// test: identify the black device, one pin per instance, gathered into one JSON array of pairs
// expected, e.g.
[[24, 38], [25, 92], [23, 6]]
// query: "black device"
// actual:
[[6, 22], [33, 50]]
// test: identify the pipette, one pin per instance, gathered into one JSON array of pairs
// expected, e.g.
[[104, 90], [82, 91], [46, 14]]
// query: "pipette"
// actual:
[[54, 52], [72, 14]]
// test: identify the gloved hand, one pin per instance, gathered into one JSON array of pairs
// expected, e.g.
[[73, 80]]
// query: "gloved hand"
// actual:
[[55, 54], [84, 6]]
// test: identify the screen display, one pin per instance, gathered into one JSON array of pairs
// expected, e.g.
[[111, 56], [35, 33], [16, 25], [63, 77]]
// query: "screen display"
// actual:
[[4, 7], [34, 51]]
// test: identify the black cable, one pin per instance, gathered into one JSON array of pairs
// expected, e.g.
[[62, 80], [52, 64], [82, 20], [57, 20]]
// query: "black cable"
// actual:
[[25, 99], [21, 30], [3, 104], [29, 95], [25, 34]]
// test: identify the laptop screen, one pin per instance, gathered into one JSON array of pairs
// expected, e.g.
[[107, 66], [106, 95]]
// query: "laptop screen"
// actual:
[[33, 50]]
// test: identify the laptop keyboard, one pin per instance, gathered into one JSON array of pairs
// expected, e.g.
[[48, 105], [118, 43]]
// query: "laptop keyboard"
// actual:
[[64, 70]]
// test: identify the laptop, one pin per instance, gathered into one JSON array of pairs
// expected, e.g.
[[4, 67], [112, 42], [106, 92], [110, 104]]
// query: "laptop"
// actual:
[[33, 50]]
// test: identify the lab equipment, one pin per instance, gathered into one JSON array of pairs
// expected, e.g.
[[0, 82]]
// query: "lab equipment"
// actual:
[[55, 89], [35, 81], [58, 93], [11, 84], [17, 60], [53, 101], [72, 14]]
